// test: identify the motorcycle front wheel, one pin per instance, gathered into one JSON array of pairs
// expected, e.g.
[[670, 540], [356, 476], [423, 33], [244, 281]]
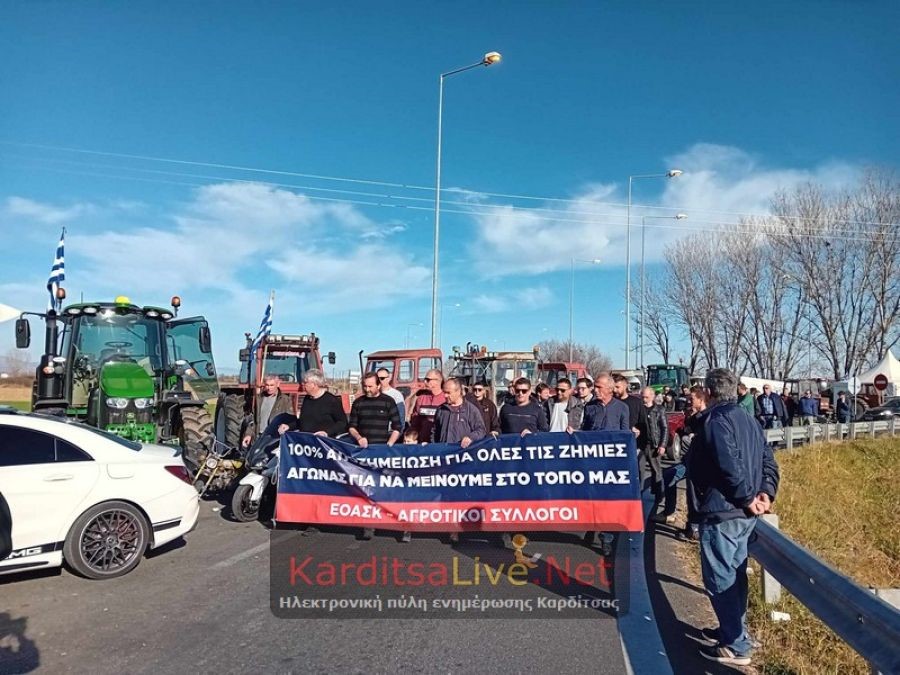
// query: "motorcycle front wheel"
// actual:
[[242, 508]]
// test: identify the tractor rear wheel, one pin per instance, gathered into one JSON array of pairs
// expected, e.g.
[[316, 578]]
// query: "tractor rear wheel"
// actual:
[[195, 433], [229, 419]]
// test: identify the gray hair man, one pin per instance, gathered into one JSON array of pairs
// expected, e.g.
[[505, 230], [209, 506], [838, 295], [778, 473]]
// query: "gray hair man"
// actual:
[[735, 479], [269, 404], [321, 412]]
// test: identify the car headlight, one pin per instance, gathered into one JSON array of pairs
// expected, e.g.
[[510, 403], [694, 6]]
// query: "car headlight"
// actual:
[[141, 403], [118, 402]]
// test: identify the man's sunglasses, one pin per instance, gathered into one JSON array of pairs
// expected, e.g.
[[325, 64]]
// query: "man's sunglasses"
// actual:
[[477, 388], [522, 391], [431, 379], [384, 377]]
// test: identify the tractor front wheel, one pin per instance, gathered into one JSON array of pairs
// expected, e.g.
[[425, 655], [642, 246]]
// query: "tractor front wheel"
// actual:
[[229, 419], [195, 433]]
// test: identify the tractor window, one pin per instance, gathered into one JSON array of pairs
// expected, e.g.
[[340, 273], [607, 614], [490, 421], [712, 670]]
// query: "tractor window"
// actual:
[[506, 372], [427, 363], [387, 364], [184, 345], [405, 373], [671, 376], [114, 336], [290, 368]]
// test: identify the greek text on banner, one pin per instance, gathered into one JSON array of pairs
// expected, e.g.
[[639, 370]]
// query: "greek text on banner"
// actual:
[[546, 481]]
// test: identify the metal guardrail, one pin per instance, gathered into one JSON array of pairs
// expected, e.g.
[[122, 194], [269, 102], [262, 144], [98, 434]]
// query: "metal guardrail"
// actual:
[[867, 623], [791, 436]]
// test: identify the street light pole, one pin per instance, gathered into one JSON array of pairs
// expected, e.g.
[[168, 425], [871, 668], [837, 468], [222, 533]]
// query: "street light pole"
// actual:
[[671, 173], [489, 59], [593, 261], [644, 219]]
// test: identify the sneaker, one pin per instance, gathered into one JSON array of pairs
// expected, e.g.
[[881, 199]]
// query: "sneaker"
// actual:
[[721, 654], [405, 537], [711, 635], [667, 518], [454, 538], [689, 535], [368, 533]]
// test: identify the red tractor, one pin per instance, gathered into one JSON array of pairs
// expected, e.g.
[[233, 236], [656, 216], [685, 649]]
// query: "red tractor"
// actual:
[[407, 367], [288, 357]]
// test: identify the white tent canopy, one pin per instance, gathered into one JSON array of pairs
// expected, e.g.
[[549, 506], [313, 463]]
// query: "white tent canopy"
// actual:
[[7, 313], [889, 366]]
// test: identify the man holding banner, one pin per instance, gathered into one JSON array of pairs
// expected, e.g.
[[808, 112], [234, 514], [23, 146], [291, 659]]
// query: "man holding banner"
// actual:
[[458, 420], [604, 413]]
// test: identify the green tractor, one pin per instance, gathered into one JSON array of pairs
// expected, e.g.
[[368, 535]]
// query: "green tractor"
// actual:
[[138, 372], [660, 376]]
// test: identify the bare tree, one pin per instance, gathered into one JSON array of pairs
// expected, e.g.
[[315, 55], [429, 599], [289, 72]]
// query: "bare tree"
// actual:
[[590, 356], [824, 262], [657, 322]]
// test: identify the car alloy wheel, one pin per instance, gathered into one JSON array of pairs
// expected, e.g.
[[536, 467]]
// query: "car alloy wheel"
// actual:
[[108, 540]]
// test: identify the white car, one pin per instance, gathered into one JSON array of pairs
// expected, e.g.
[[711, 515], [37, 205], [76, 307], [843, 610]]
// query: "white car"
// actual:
[[90, 498]]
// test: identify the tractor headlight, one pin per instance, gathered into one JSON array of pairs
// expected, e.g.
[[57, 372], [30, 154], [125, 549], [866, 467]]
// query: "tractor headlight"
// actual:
[[141, 403], [118, 402]]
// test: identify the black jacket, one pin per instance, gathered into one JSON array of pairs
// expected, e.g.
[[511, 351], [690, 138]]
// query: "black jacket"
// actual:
[[729, 463], [654, 428], [779, 412]]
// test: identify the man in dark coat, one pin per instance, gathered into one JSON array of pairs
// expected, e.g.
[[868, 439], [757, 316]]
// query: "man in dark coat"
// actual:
[[772, 413], [735, 480]]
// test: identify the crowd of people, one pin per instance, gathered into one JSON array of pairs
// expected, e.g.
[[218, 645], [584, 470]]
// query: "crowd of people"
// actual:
[[729, 469]]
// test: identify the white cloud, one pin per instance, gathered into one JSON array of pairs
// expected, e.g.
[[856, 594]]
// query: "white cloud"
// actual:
[[718, 183], [20, 207], [367, 277], [523, 299]]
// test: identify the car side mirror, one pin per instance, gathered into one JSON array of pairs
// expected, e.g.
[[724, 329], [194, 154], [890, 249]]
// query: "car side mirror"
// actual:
[[23, 333], [205, 340], [332, 358]]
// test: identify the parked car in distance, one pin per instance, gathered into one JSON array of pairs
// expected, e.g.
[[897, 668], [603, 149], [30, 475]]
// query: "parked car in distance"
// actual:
[[87, 497], [885, 411]]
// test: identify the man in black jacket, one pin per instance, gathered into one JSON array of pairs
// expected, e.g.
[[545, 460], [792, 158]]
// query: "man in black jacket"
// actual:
[[653, 433], [321, 412], [525, 415], [772, 413], [735, 480]]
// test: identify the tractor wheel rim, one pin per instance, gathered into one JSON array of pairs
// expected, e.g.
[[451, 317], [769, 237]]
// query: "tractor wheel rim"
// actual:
[[111, 541]]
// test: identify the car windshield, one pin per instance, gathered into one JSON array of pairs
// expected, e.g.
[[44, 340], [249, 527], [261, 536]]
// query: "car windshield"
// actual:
[[131, 445]]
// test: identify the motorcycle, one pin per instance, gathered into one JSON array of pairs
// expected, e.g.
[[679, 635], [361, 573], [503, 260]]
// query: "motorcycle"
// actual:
[[219, 469], [262, 470]]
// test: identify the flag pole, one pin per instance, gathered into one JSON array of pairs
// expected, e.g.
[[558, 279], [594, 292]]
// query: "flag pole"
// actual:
[[262, 364]]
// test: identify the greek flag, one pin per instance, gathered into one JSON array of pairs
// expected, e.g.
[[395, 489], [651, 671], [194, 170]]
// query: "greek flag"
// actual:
[[265, 326], [57, 274]]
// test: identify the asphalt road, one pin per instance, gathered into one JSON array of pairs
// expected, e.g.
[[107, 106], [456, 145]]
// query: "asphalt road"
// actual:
[[204, 605]]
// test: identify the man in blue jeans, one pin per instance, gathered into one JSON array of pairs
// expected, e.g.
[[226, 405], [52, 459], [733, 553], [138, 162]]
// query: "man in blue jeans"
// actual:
[[735, 479]]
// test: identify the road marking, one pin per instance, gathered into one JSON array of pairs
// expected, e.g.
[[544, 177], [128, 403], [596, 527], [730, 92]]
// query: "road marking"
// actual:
[[249, 553]]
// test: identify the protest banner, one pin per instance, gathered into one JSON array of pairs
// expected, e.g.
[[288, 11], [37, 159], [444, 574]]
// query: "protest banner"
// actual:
[[545, 481]]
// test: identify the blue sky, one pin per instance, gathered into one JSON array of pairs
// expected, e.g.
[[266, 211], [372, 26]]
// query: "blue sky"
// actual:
[[745, 100]]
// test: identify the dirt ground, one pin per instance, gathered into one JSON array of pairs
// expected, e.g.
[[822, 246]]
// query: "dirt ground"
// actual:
[[15, 392]]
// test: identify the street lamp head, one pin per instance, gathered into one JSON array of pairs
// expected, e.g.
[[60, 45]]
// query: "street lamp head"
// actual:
[[491, 58], [674, 173], [595, 261], [680, 216]]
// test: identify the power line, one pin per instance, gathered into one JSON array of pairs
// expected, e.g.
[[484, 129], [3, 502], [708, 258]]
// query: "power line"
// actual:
[[503, 211], [407, 186]]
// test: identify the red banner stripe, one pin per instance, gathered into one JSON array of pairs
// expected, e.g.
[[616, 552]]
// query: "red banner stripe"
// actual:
[[562, 515]]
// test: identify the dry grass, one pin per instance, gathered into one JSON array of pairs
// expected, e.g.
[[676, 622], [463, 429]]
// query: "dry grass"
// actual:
[[837, 500]]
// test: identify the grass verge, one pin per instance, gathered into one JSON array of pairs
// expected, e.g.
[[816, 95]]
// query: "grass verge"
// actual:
[[21, 405], [839, 501]]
